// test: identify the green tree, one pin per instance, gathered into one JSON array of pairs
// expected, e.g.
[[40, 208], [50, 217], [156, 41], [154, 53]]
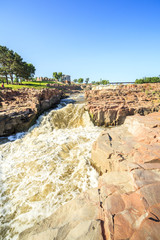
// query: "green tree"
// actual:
[[80, 80], [97, 83], [3, 62], [17, 65], [148, 80], [27, 71], [87, 80], [59, 75], [30, 70], [55, 75], [104, 82], [75, 80], [12, 65]]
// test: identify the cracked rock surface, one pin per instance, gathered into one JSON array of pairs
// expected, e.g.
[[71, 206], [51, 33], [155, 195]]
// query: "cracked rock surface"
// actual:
[[136, 141], [128, 158], [110, 107]]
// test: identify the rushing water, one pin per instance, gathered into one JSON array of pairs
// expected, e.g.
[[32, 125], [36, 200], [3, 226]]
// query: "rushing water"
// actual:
[[45, 168]]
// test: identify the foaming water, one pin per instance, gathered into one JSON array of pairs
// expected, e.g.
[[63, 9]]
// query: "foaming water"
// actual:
[[45, 168]]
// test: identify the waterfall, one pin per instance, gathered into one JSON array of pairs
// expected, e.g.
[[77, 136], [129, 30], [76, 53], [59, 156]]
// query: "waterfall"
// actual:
[[45, 167]]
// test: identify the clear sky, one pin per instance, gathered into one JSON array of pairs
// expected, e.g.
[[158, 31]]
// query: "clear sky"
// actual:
[[116, 40]]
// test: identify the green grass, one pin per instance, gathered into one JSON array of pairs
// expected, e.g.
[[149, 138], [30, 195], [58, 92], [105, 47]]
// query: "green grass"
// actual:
[[36, 85]]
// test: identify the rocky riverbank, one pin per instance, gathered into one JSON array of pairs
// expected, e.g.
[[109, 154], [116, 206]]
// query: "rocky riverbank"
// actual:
[[74, 88], [110, 106], [126, 204], [20, 108]]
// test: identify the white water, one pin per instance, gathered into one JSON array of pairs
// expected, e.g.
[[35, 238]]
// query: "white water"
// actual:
[[45, 168]]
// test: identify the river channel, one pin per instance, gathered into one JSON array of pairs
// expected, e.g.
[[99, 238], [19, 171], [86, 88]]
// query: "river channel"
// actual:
[[45, 167]]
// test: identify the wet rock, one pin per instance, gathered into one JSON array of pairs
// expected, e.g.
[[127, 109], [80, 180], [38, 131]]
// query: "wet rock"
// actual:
[[75, 220]]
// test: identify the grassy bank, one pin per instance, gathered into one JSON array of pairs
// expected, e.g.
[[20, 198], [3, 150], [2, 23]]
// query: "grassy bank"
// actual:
[[36, 84]]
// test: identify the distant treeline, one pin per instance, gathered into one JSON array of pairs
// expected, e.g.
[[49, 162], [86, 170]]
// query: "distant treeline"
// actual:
[[101, 82], [12, 66], [148, 80]]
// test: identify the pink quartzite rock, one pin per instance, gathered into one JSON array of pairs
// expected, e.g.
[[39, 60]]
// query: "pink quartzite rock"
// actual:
[[130, 211], [110, 107], [19, 109], [136, 141]]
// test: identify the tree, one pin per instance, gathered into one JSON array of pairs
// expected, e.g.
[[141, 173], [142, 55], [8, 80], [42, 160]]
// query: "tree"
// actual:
[[9, 63], [30, 70], [80, 80], [148, 80], [27, 71], [57, 76], [75, 80], [104, 82], [13, 65], [3, 62], [97, 83], [17, 65], [87, 80]]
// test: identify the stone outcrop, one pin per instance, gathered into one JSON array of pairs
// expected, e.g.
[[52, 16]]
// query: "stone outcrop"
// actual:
[[110, 106], [129, 159], [126, 204], [19, 109], [67, 88], [130, 203], [136, 141]]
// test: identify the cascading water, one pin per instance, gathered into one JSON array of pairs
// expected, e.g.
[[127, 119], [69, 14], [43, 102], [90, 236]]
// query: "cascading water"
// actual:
[[45, 168]]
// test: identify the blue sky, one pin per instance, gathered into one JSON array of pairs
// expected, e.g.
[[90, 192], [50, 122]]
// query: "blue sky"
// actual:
[[117, 40]]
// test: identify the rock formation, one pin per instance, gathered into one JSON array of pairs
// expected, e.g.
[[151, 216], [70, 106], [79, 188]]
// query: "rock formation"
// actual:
[[126, 204], [110, 107], [136, 141], [19, 109], [129, 159], [67, 88]]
